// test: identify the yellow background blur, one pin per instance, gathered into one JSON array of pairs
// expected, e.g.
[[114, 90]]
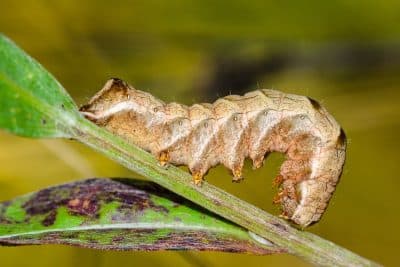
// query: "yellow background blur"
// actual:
[[346, 54]]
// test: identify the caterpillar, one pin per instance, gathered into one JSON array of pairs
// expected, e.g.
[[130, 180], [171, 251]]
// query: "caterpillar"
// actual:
[[228, 131]]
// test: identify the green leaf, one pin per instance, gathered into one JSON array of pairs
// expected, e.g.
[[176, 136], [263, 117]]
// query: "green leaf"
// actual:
[[34, 103], [120, 214]]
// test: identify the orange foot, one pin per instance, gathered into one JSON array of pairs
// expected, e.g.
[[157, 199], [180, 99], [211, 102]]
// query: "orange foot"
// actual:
[[258, 163], [163, 158], [278, 198], [197, 178], [283, 215], [237, 175], [277, 181]]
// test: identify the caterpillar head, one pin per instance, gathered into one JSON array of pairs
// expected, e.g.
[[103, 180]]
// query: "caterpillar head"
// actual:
[[117, 96], [113, 92]]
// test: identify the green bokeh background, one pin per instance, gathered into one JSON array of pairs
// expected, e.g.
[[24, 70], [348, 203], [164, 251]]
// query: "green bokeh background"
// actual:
[[344, 53]]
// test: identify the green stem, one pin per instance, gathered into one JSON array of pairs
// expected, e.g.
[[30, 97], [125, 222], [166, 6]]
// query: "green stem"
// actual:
[[303, 244]]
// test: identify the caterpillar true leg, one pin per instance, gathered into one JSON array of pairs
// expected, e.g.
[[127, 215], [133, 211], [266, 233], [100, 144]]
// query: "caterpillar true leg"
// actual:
[[163, 158]]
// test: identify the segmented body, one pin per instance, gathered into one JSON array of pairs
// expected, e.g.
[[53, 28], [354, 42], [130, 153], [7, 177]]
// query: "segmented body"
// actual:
[[231, 129]]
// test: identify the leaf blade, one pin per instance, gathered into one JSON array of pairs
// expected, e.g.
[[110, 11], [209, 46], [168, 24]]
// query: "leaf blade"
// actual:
[[37, 105], [120, 214]]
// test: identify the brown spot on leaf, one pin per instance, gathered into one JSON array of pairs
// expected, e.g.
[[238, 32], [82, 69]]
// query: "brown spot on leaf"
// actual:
[[42, 202], [280, 226], [84, 207], [74, 202], [50, 218]]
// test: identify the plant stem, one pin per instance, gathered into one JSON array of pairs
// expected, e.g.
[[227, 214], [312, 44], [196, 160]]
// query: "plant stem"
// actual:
[[300, 243]]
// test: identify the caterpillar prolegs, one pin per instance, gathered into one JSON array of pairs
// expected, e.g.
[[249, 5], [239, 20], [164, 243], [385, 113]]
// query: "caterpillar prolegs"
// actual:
[[229, 130]]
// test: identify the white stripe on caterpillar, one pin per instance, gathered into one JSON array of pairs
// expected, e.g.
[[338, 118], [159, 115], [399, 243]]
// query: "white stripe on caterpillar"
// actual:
[[231, 129]]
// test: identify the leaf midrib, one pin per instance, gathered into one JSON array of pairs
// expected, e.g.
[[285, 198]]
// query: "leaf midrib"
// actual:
[[132, 226]]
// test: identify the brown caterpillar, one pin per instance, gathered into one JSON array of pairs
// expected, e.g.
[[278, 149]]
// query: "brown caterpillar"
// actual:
[[231, 129]]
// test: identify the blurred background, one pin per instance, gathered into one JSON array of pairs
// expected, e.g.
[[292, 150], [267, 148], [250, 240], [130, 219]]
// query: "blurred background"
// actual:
[[344, 53]]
